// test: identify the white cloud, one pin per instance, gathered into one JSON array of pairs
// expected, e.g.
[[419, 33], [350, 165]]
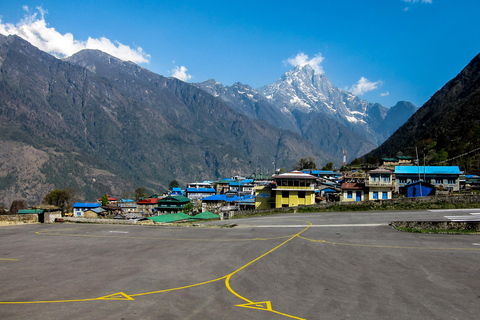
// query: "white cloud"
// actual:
[[421, 1], [302, 59], [384, 94], [35, 30], [363, 86], [181, 73], [416, 1]]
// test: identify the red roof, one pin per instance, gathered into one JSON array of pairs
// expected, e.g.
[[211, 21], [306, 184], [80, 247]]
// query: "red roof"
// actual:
[[352, 186], [148, 201], [110, 198]]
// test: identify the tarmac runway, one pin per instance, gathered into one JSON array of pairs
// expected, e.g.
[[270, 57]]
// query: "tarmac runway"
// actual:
[[348, 265]]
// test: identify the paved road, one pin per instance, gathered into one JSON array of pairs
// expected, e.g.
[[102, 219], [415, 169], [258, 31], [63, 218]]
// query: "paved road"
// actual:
[[348, 265]]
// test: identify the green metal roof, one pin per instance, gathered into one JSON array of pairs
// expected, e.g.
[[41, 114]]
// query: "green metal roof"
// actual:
[[171, 199], [207, 215], [29, 211], [390, 159], [167, 218]]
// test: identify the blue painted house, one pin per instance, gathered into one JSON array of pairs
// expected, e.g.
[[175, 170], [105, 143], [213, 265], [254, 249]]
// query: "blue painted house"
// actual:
[[80, 207], [441, 177]]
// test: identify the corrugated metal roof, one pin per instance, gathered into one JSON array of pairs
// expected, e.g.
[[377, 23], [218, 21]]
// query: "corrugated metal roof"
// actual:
[[380, 171], [29, 211], [148, 201], [191, 190], [295, 175], [86, 205], [207, 215], [353, 186], [167, 218], [427, 170], [98, 210]]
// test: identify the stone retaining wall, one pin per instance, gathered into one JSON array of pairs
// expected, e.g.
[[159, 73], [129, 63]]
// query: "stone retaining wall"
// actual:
[[449, 199], [13, 219]]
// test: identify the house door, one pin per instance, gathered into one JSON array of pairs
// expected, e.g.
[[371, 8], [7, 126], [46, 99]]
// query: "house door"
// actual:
[[359, 196]]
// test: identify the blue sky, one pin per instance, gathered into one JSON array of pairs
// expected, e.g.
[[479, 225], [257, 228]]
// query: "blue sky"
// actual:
[[383, 50]]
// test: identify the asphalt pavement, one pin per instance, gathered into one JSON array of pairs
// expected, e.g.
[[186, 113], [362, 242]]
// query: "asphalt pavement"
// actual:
[[348, 265]]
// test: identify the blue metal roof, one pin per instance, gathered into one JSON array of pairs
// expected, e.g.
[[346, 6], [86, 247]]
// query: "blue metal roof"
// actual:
[[318, 171], [201, 190], [223, 197], [239, 183], [86, 205], [427, 170]]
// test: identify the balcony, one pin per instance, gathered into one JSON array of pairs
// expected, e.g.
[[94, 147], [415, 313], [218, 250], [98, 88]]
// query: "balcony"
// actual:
[[379, 184]]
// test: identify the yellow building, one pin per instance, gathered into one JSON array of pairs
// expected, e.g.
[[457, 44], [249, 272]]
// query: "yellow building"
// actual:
[[379, 184], [291, 189]]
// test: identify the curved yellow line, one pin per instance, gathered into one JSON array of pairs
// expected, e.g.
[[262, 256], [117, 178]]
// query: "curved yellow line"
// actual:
[[174, 289], [227, 277]]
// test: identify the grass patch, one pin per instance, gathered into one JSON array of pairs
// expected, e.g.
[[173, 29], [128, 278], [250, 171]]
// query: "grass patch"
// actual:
[[437, 231]]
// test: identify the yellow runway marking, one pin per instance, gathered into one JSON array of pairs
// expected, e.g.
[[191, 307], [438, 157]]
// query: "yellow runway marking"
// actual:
[[116, 296], [5, 259], [179, 288], [388, 247], [265, 305]]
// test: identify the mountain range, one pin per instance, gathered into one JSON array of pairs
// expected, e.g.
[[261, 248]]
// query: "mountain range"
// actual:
[[446, 129], [101, 125], [305, 101]]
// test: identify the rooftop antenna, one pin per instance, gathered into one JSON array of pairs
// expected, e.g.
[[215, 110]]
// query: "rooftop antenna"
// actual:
[[419, 176]]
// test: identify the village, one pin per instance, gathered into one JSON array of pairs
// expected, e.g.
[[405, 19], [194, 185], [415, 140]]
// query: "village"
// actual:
[[395, 177]]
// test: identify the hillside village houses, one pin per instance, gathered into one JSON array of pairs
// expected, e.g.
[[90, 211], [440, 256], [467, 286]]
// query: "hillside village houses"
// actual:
[[287, 190]]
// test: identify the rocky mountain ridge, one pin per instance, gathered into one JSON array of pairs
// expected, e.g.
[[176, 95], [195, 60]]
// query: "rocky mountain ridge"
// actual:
[[446, 129], [306, 102], [101, 125]]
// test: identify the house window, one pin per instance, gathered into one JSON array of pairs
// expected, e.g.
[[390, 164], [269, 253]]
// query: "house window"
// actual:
[[386, 178], [375, 195], [451, 181], [349, 194], [402, 180], [301, 194], [284, 194], [385, 195], [438, 181]]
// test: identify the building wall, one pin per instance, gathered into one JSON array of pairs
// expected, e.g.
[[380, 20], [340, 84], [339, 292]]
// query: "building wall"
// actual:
[[381, 191], [263, 199], [290, 197], [345, 197], [437, 180]]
